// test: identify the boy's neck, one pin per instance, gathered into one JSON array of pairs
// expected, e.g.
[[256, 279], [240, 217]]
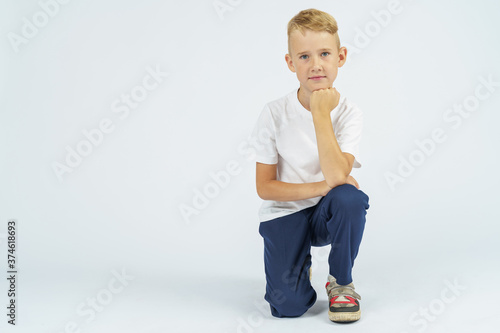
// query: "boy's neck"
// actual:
[[304, 98]]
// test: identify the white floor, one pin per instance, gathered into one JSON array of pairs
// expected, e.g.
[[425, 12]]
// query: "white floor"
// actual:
[[394, 298]]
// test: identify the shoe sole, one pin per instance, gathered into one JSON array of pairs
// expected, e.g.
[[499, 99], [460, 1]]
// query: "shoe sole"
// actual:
[[344, 317]]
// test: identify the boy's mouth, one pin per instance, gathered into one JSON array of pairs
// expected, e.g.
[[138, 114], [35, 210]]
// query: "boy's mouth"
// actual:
[[317, 78]]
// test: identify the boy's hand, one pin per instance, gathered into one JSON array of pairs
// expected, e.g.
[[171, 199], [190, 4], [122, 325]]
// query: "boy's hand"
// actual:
[[325, 188], [323, 101], [352, 181]]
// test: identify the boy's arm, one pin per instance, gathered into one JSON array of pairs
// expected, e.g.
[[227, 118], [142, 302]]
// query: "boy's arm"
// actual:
[[268, 188], [335, 165]]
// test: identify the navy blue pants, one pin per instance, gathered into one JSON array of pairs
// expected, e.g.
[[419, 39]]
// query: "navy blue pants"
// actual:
[[337, 219]]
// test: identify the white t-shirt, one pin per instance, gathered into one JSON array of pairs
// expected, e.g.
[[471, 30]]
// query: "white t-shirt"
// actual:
[[285, 135]]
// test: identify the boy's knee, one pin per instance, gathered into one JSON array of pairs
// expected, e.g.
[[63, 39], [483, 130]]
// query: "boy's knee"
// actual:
[[347, 196], [292, 304]]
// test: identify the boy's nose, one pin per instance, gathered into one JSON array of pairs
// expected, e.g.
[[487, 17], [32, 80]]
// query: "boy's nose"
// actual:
[[316, 64]]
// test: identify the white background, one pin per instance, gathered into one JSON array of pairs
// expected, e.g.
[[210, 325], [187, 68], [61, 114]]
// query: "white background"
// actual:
[[119, 209]]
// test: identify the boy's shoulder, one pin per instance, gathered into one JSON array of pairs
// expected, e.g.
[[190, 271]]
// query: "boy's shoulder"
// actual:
[[282, 102]]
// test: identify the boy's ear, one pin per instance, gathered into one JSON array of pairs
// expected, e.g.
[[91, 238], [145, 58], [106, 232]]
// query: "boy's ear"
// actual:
[[342, 56], [289, 63]]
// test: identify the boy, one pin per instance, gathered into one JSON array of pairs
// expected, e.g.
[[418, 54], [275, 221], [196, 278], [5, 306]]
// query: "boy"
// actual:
[[307, 143]]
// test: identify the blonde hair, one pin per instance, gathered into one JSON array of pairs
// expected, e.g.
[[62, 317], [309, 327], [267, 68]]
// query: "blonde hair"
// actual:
[[315, 20]]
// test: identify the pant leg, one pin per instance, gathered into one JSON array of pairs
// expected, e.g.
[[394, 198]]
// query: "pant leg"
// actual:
[[287, 259], [339, 219]]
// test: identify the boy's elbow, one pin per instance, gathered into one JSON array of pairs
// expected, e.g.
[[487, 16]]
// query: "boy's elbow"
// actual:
[[261, 191]]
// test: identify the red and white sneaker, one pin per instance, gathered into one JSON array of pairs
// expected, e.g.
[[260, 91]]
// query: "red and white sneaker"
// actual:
[[344, 302]]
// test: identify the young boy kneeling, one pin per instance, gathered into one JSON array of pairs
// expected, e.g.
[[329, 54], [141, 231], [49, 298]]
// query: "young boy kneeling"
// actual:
[[307, 143]]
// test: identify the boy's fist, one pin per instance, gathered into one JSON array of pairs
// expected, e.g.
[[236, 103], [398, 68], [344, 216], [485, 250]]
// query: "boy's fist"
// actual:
[[323, 101], [350, 180]]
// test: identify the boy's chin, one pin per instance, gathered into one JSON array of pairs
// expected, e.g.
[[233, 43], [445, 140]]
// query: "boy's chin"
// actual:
[[314, 87], [319, 87]]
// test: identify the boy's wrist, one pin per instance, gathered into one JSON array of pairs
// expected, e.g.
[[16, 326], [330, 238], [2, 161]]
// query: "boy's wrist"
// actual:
[[323, 188], [320, 114]]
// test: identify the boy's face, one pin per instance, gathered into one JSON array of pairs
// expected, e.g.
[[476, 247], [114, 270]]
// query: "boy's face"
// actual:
[[316, 58]]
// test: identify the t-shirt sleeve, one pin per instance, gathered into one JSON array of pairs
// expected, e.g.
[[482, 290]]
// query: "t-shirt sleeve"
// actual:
[[263, 138], [348, 134]]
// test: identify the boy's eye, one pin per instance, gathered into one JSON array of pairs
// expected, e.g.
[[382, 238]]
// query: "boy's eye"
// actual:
[[304, 56], [324, 54]]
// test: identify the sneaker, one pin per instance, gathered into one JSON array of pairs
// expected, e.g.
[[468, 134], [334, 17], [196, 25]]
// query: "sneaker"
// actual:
[[344, 302]]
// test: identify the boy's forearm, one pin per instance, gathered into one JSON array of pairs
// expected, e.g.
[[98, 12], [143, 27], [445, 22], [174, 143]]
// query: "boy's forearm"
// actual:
[[334, 164], [280, 191]]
